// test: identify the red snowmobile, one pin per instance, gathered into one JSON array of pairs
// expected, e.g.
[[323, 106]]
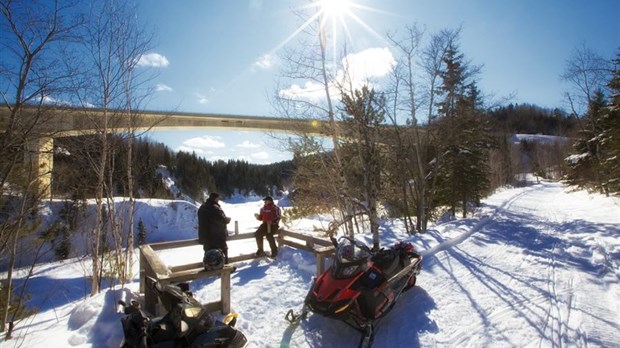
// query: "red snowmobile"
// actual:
[[362, 285]]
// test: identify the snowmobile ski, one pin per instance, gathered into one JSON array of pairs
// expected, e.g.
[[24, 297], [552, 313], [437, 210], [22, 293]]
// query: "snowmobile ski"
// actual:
[[368, 336], [295, 318]]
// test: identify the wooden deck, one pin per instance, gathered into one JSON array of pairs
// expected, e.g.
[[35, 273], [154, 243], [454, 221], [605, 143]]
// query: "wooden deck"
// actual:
[[152, 268]]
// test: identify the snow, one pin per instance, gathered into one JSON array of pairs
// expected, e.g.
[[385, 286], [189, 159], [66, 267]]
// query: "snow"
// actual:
[[538, 138], [536, 266]]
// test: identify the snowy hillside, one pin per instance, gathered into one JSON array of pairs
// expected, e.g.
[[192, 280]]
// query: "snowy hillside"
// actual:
[[537, 266]]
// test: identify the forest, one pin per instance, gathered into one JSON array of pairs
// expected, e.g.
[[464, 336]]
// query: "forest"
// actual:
[[195, 176]]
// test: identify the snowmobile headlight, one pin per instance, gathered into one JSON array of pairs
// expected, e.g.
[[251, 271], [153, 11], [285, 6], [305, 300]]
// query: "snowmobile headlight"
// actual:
[[192, 312], [343, 308], [349, 271]]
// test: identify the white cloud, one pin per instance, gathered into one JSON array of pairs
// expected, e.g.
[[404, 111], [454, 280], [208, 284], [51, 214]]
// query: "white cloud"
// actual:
[[202, 99], [368, 64], [310, 90], [361, 68], [205, 142], [188, 149], [154, 60], [46, 99], [264, 62], [218, 158], [162, 87], [248, 145], [262, 155]]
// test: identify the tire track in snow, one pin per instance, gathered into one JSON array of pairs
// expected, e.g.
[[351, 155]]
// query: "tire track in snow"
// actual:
[[549, 307], [557, 324], [561, 293], [477, 227], [524, 304], [553, 319]]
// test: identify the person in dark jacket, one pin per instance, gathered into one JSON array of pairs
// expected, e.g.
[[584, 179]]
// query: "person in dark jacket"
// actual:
[[270, 215], [212, 231]]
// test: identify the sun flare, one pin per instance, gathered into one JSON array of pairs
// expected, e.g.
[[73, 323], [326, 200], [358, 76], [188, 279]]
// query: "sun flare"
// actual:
[[334, 18], [334, 8]]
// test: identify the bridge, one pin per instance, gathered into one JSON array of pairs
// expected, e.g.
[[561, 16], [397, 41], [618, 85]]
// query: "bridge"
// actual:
[[54, 122]]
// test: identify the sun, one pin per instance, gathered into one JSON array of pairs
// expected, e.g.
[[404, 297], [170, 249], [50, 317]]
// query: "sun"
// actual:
[[334, 8], [334, 18]]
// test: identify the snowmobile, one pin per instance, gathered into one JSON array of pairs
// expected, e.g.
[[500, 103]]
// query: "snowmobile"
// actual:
[[362, 285], [186, 324]]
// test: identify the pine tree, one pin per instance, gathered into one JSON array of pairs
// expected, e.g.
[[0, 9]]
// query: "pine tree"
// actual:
[[610, 136], [461, 136], [585, 162], [142, 233]]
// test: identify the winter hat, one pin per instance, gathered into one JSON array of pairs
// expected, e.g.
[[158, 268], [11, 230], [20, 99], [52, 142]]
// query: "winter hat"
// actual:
[[268, 198]]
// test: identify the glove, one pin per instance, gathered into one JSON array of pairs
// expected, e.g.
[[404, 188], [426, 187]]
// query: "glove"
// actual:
[[257, 216], [227, 220]]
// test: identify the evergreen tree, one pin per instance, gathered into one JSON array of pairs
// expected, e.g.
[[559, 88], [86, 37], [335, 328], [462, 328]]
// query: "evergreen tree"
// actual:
[[142, 233], [462, 138], [366, 111], [585, 162], [63, 249], [610, 135]]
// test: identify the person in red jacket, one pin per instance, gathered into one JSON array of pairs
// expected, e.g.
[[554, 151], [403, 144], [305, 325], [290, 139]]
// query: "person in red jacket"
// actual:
[[270, 215]]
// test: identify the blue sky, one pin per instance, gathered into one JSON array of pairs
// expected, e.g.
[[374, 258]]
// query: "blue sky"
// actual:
[[222, 55]]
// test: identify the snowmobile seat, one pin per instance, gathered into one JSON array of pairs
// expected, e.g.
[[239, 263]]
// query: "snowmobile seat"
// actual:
[[387, 261]]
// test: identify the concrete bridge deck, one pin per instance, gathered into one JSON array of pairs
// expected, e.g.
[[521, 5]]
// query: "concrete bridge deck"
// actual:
[[47, 123]]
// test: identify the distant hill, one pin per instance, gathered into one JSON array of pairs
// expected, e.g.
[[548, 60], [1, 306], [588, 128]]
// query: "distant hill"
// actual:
[[531, 119], [74, 176]]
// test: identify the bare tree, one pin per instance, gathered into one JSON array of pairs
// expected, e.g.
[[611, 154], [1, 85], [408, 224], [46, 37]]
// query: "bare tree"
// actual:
[[366, 109], [414, 88], [588, 75], [405, 100], [312, 62], [30, 75], [585, 72], [114, 44]]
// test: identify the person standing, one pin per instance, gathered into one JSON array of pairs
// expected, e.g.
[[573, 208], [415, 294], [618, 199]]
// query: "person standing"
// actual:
[[212, 231], [270, 215]]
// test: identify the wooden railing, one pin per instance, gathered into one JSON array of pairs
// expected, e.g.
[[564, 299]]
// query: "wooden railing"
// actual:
[[152, 268]]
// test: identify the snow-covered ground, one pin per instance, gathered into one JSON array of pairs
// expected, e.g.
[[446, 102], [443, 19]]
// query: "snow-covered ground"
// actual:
[[537, 266]]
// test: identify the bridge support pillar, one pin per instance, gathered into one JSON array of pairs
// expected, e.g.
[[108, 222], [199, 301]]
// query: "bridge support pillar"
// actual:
[[40, 155]]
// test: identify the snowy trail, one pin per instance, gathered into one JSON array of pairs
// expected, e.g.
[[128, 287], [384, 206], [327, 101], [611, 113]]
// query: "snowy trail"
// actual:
[[537, 266], [517, 281]]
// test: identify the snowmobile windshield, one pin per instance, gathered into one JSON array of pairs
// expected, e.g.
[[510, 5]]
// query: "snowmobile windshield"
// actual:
[[351, 258], [352, 251]]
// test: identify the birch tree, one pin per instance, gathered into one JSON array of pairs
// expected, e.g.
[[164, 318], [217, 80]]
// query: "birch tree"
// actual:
[[33, 44], [311, 62], [114, 43], [365, 110]]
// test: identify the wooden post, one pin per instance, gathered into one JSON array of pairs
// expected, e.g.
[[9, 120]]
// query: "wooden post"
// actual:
[[225, 291], [320, 264], [154, 268], [321, 253], [142, 271], [236, 227]]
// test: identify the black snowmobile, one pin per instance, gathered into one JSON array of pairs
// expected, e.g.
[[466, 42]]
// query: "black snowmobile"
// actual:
[[186, 323], [362, 285]]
